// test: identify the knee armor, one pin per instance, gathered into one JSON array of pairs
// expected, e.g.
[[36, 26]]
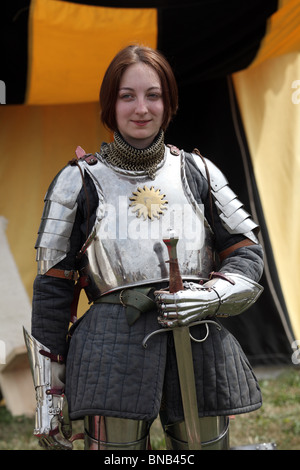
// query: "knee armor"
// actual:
[[214, 432], [107, 433]]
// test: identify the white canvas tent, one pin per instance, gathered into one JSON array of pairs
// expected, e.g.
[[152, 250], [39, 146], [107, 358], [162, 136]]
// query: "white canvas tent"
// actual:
[[15, 375]]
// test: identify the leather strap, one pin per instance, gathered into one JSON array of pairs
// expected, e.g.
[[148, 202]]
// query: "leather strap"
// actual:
[[82, 282], [135, 301], [63, 274], [54, 357], [55, 391], [225, 253], [215, 274]]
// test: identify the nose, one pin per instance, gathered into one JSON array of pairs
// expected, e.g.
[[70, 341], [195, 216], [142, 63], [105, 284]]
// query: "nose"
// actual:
[[141, 106]]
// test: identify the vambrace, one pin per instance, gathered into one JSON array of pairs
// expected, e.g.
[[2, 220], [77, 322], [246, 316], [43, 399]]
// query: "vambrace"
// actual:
[[51, 416], [230, 295]]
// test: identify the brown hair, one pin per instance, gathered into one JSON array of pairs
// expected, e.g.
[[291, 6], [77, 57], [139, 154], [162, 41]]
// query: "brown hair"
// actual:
[[111, 82]]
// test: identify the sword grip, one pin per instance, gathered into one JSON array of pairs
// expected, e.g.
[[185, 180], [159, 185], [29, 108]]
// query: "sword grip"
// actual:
[[175, 283]]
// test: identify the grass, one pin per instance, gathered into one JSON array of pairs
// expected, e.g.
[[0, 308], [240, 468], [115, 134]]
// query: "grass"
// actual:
[[277, 421], [279, 418]]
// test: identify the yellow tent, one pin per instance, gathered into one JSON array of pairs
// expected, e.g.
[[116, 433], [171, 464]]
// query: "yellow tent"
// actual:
[[238, 70]]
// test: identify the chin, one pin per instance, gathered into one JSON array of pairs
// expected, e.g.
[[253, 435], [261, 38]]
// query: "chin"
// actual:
[[139, 140]]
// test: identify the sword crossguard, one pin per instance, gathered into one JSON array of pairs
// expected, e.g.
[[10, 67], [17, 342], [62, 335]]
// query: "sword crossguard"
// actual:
[[199, 322]]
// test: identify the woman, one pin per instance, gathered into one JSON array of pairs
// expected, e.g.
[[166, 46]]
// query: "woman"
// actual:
[[105, 217]]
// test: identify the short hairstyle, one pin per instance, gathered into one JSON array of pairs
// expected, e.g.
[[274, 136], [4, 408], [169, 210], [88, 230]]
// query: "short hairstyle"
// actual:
[[111, 82]]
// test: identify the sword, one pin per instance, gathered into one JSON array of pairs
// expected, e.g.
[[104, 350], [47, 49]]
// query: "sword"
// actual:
[[184, 357]]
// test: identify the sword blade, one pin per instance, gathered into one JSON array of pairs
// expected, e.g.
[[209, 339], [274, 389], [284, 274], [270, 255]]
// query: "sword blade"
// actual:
[[185, 366], [184, 357]]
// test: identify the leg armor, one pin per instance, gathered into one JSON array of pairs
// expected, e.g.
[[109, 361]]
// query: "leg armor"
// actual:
[[214, 433], [106, 433]]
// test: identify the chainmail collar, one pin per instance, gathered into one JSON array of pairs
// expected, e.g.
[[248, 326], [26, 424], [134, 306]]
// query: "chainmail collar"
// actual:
[[120, 154]]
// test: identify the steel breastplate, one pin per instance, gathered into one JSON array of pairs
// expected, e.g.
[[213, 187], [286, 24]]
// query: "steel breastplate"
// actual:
[[135, 213]]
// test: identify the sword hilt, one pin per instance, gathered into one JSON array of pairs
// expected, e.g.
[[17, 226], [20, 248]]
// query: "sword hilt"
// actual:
[[175, 283]]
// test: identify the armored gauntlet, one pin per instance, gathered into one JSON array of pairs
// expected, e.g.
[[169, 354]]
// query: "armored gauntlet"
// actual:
[[52, 425], [227, 296]]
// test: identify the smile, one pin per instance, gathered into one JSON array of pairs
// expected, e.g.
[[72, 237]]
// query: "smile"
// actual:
[[141, 123]]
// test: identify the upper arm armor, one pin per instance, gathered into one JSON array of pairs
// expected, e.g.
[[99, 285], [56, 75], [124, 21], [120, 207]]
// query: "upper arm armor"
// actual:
[[234, 217], [58, 217]]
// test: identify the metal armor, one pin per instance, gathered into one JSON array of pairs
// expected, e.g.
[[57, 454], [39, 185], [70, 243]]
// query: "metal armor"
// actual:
[[125, 249], [133, 216], [222, 297], [126, 246], [53, 242], [52, 426], [106, 433], [234, 217]]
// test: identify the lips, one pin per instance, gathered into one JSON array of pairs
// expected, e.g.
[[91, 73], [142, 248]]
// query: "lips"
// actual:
[[141, 123]]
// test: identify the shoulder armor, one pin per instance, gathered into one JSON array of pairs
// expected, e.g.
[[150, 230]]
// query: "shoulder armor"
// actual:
[[66, 186], [58, 217], [235, 218]]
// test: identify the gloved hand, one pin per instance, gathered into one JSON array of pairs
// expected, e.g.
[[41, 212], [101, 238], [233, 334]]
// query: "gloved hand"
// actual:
[[60, 424], [225, 294], [193, 303]]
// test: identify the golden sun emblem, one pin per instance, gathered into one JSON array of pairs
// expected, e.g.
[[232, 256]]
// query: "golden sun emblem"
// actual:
[[148, 202]]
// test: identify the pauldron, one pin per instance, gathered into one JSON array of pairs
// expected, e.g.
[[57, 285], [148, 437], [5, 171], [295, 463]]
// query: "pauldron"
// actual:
[[53, 242], [235, 218]]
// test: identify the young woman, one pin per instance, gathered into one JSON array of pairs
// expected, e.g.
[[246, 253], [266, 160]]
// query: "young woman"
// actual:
[[105, 217]]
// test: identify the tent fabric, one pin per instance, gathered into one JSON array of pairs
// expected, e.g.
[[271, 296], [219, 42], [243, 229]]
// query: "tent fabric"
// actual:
[[265, 96], [235, 65], [264, 334], [283, 33], [70, 44], [36, 142], [56, 44]]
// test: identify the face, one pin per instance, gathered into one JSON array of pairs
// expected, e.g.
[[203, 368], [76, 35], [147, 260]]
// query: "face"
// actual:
[[139, 105]]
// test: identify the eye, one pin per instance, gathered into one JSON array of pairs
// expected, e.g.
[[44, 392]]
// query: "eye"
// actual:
[[126, 96], [154, 96]]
